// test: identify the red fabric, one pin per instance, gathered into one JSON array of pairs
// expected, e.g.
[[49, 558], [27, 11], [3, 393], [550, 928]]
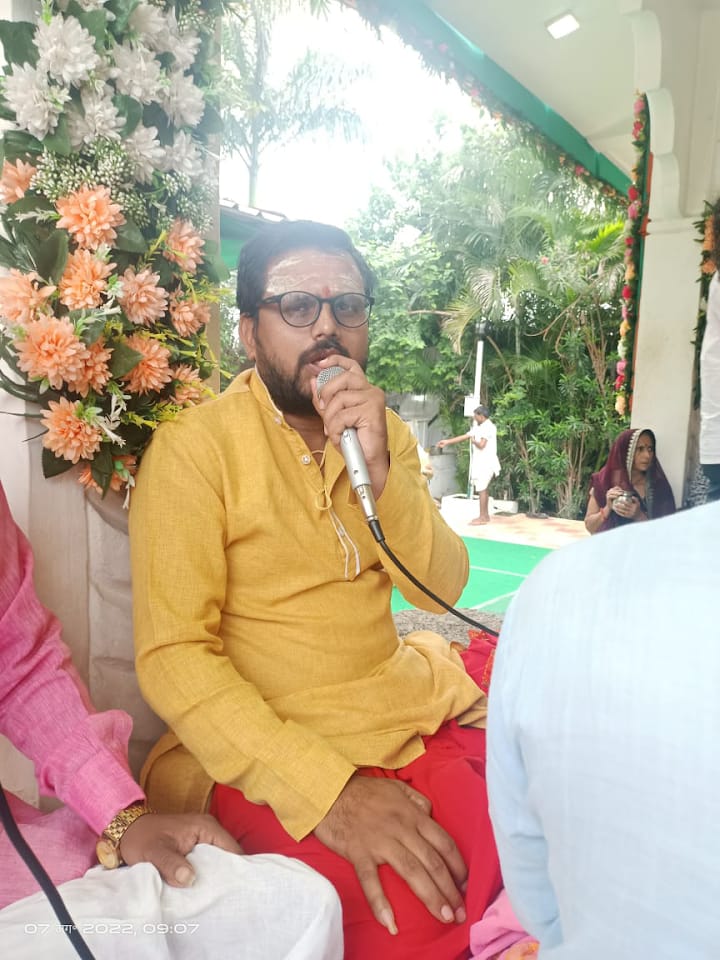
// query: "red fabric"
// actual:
[[451, 773], [616, 473]]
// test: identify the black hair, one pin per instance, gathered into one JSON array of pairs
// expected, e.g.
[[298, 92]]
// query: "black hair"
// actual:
[[275, 239], [482, 410]]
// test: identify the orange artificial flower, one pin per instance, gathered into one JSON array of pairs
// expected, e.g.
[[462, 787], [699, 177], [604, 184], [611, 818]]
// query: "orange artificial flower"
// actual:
[[90, 217], [126, 462], [188, 315], [184, 246], [142, 299], [52, 351], [188, 389], [83, 283], [68, 434], [22, 297], [96, 372], [15, 179], [709, 235], [153, 371], [625, 328]]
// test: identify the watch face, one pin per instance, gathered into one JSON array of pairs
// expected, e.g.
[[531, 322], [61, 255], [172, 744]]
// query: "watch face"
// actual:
[[108, 854]]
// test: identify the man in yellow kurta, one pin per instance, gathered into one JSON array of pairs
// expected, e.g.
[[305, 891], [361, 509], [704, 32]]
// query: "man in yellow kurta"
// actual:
[[263, 625]]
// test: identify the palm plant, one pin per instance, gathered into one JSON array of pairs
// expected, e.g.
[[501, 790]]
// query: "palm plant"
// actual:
[[258, 113]]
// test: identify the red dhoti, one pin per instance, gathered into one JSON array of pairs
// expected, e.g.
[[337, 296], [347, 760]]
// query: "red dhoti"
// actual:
[[451, 773]]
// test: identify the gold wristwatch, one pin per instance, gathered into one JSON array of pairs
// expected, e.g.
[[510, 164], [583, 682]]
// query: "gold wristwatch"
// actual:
[[108, 846]]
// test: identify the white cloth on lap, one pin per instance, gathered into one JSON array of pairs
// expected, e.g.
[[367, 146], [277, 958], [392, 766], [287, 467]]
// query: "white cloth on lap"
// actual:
[[264, 907]]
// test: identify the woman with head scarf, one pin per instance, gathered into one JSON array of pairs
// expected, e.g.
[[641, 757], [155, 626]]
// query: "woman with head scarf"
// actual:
[[631, 487]]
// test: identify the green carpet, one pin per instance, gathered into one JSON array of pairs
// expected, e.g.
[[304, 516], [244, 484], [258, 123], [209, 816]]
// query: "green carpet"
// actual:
[[496, 571]]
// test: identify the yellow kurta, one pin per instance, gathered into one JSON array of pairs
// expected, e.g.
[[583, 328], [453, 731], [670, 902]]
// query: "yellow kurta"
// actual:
[[261, 601]]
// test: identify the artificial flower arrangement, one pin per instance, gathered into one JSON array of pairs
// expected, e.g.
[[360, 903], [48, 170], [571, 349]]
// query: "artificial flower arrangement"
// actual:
[[106, 202], [635, 230]]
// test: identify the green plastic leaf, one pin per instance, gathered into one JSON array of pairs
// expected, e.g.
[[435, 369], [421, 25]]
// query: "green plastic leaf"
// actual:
[[165, 271], [130, 238], [102, 467], [129, 108], [51, 256], [53, 466], [94, 21], [17, 38], [59, 140], [31, 201], [91, 332], [123, 360], [121, 10], [8, 254], [155, 116], [211, 122], [18, 145]]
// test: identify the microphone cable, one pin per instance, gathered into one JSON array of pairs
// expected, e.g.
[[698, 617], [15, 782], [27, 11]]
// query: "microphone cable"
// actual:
[[40, 874], [380, 538], [360, 482]]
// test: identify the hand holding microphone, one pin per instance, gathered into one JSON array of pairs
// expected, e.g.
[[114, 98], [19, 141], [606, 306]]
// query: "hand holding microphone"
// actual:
[[357, 406]]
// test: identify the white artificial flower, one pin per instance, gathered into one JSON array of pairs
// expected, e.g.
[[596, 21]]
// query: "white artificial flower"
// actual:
[[145, 151], [182, 100], [185, 49], [136, 72], [99, 77], [98, 118], [183, 156], [150, 25], [67, 51], [165, 40], [36, 104]]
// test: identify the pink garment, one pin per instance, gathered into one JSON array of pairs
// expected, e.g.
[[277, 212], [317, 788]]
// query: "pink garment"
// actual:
[[499, 936], [80, 756]]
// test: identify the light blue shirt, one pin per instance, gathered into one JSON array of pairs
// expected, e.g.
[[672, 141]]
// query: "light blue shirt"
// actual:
[[604, 745]]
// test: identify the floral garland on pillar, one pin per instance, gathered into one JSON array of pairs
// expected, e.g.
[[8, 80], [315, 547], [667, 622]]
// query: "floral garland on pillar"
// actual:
[[106, 196], [635, 232], [706, 229]]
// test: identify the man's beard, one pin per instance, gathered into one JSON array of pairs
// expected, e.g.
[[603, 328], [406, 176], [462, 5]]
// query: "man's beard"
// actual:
[[286, 391]]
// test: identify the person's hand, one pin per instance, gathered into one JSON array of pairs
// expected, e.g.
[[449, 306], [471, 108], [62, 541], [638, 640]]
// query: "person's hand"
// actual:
[[626, 506], [350, 400], [612, 495], [376, 821], [442, 443], [163, 839]]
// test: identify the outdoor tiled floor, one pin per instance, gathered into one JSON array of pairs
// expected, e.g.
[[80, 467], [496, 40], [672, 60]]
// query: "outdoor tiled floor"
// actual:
[[519, 528]]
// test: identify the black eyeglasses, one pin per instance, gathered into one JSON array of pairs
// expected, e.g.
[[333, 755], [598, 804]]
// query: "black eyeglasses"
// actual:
[[300, 309]]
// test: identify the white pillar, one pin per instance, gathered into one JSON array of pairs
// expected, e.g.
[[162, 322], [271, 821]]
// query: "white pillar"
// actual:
[[664, 351], [676, 66]]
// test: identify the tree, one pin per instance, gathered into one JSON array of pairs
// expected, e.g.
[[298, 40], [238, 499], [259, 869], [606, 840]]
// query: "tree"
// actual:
[[258, 114], [538, 255]]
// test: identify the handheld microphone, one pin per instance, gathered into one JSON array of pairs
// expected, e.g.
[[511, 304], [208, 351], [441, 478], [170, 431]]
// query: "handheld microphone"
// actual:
[[353, 456], [360, 481]]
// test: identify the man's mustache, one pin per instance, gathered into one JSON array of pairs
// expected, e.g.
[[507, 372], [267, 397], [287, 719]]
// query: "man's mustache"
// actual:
[[321, 349]]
